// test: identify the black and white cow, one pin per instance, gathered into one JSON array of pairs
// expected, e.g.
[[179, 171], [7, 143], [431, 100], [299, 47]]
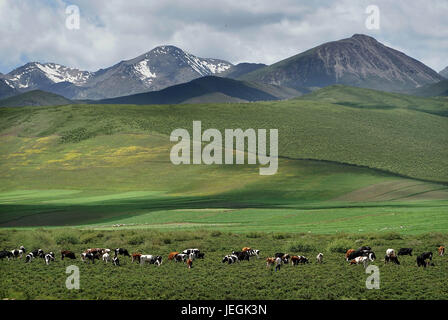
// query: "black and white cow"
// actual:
[[192, 253], [362, 252], [6, 254], [181, 257], [18, 252], [49, 257], [115, 261], [284, 256], [157, 260], [122, 251], [230, 258], [405, 251], [90, 256], [241, 255]]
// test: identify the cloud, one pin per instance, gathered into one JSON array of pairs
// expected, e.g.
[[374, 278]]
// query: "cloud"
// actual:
[[234, 30]]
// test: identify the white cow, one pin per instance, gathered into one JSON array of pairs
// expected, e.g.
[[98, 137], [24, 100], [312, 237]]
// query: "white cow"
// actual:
[[106, 257], [320, 257]]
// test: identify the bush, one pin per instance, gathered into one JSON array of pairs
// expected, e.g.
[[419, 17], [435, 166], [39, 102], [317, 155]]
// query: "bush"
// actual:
[[136, 240], [339, 245], [302, 247], [64, 239]]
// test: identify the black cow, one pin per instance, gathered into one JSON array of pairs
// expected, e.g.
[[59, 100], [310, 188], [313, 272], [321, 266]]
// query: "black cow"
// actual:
[[92, 256], [68, 254], [421, 259], [362, 253], [200, 255], [405, 251], [122, 251]]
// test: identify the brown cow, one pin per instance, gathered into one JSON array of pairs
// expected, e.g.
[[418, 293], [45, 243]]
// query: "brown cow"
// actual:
[[270, 262], [68, 254], [172, 255], [136, 257], [189, 263], [347, 254], [246, 249], [441, 250]]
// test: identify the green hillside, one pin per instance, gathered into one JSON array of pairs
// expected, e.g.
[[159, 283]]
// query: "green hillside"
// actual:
[[35, 98]]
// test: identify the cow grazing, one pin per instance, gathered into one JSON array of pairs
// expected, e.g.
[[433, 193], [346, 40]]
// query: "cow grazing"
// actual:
[[242, 255], [348, 254], [18, 253], [270, 262], [391, 256], [360, 260], [230, 258], [189, 263], [122, 251], [6, 254], [116, 261], [106, 257], [90, 256], [29, 257], [136, 257], [49, 257], [441, 250], [295, 260], [68, 254], [421, 259], [181, 257], [148, 258], [172, 255], [320, 258], [405, 251], [192, 253], [200, 255]]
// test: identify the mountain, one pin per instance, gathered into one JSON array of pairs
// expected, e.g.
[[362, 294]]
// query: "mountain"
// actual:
[[358, 61], [34, 98], [157, 69], [207, 89], [241, 69], [432, 90], [444, 73], [6, 90]]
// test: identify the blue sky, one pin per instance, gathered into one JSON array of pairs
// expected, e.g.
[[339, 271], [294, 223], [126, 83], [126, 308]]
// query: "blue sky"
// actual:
[[234, 30]]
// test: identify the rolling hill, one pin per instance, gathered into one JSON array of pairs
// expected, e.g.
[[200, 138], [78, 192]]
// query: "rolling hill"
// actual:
[[357, 61], [439, 89], [34, 98], [373, 99], [209, 89]]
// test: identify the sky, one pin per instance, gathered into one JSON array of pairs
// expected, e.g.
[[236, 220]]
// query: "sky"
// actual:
[[263, 31]]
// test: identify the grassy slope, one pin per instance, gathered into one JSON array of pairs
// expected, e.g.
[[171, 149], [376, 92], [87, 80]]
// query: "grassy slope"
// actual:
[[35, 98]]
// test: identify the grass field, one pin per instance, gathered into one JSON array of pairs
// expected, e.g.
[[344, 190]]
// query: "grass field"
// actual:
[[210, 278], [350, 173]]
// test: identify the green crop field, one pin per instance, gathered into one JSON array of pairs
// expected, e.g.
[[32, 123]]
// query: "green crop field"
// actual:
[[350, 172]]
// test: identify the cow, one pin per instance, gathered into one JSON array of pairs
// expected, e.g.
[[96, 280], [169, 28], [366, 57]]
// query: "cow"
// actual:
[[230, 258], [320, 258], [348, 254], [49, 257], [405, 251], [246, 249], [270, 262], [116, 261], [18, 252], [421, 259], [200, 255], [390, 252], [441, 250], [29, 257], [122, 251], [90, 256], [172, 255], [295, 260], [68, 254], [352, 254], [191, 252], [189, 263], [284, 256], [157, 260], [359, 260], [244, 255], [6, 254], [391, 256], [181, 257], [136, 257], [106, 257]]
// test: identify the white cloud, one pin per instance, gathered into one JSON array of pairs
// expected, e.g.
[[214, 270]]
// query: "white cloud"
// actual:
[[255, 31]]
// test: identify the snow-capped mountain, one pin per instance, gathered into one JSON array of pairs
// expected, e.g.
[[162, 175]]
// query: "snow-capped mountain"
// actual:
[[157, 69]]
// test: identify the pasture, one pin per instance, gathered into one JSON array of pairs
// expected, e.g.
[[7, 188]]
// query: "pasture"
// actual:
[[211, 279]]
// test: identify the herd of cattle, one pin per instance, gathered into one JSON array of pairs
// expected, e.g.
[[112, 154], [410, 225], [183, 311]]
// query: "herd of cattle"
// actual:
[[362, 255]]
